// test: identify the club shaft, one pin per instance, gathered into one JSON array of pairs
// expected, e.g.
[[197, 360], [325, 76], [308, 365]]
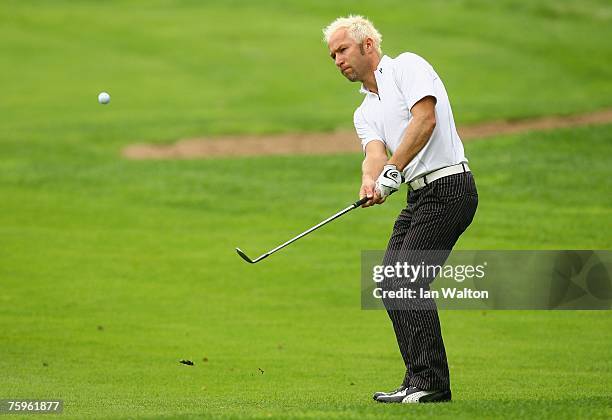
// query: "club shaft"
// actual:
[[324, 222], [281, 246]]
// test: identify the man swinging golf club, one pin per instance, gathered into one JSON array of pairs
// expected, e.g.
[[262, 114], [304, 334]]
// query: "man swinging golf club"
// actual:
[[406, 111]]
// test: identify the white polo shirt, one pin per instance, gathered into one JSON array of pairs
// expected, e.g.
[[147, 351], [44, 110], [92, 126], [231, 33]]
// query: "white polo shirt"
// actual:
[[402, 82]]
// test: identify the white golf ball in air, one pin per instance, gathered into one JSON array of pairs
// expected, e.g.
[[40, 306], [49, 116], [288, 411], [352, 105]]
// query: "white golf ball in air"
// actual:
[[104, 98]]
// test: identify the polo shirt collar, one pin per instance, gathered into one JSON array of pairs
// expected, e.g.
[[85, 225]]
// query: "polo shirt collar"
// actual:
[[381, 64]]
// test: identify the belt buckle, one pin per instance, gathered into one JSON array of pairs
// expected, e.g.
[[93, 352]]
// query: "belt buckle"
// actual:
[[420, 183]]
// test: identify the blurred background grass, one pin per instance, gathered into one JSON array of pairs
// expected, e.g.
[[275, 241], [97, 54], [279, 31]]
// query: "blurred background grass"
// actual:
[[144, 249], [187, 68]]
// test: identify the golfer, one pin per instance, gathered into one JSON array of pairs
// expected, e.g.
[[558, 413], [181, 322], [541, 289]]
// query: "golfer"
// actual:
[[406, 113]]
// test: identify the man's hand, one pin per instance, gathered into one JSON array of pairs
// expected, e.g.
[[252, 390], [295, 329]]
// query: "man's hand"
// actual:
[[368, 189], [388, 182]]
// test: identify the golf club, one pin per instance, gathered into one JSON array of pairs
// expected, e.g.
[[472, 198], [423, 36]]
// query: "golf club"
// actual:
[[329, 219]]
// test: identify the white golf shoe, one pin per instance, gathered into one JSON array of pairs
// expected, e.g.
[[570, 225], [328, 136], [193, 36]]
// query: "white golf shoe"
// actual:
[[415, 395]]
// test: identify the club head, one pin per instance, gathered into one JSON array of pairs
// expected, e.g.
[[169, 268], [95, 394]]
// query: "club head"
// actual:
[[244, 256]]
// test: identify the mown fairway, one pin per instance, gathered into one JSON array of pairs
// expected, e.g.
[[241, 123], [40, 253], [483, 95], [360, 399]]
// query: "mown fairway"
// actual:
[[111, 271]]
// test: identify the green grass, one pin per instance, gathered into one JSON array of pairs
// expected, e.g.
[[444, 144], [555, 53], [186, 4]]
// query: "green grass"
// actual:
[[145, 250]]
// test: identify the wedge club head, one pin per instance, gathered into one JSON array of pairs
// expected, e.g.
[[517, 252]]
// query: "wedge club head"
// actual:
[[249, 260], [244, 256]]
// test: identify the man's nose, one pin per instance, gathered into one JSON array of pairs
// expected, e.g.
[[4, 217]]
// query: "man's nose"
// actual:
[[339, 60]]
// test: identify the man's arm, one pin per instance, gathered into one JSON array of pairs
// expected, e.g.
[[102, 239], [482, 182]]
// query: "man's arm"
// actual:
[[375, 160], [417, 134]]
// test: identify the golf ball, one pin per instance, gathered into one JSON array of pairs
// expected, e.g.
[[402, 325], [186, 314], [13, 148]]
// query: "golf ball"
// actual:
[[104, 98]]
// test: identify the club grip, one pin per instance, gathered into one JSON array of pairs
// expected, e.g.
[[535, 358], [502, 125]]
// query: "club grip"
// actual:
[[361, 202], [364, 200]]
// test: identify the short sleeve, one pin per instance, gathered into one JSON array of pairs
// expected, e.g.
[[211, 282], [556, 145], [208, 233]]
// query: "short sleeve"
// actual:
[[365, 133], [415, 78]]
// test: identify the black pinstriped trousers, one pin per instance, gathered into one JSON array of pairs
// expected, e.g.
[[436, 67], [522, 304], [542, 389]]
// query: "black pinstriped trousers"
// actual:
[[435, 217]]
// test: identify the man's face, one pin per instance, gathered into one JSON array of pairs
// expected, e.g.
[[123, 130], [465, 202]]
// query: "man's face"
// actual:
[[348, 55]]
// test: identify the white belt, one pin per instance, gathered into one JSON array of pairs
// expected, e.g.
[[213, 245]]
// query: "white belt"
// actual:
[[420, 182]]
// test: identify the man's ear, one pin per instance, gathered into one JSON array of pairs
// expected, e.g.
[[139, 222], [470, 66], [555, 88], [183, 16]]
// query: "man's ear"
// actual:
[[369, 44]]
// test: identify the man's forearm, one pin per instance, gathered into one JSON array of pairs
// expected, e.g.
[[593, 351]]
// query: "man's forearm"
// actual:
[[372, 167], [416, 137]]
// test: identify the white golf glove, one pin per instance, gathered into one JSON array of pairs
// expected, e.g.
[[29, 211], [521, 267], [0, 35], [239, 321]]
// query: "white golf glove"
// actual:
[[389, 181]]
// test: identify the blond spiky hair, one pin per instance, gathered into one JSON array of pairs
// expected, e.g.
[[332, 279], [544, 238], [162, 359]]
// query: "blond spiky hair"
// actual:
[[359, 28]]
